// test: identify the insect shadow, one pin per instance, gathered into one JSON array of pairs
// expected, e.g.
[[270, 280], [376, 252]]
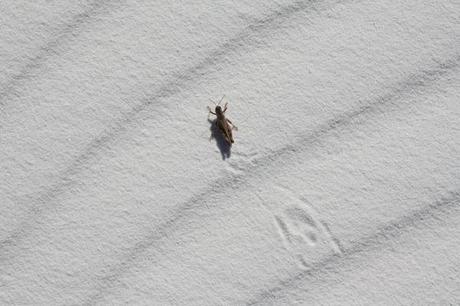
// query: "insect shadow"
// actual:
[[222, 144]]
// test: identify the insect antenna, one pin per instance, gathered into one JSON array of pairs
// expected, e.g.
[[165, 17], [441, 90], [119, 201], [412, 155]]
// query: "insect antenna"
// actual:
[[221, 100]]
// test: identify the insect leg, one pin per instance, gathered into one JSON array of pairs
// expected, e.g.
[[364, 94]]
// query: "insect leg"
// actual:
[[209, 109], [233, 126]]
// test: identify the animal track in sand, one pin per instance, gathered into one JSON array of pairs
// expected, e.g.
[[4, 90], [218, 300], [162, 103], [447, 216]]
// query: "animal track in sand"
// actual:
[[297, 226], [298, 232], [302, 232]]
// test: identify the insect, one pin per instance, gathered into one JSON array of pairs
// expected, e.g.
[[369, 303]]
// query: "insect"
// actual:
[[224, 124]]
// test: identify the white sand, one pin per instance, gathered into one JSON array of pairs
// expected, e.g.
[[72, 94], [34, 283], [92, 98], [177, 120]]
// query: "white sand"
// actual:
[[342, 187]]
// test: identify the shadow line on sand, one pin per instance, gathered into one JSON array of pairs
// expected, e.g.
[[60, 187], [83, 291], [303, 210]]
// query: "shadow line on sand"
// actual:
[[50, 48]]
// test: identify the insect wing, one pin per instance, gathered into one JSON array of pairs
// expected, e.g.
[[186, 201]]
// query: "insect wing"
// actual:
[[225, 128]]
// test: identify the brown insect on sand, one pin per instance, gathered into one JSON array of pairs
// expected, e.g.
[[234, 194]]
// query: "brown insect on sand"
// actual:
[[224, 124]]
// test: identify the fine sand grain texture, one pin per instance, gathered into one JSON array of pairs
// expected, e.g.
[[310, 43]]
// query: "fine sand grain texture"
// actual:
[[342, 186]]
